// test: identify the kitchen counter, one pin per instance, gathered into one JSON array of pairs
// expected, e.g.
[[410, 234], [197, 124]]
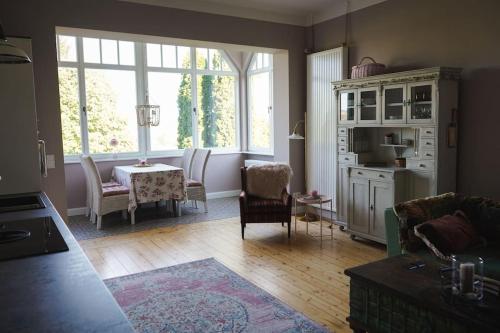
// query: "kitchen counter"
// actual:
[[58, 292]]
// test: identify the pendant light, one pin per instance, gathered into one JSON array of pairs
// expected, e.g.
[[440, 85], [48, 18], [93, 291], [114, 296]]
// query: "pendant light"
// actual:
[[9, 54]]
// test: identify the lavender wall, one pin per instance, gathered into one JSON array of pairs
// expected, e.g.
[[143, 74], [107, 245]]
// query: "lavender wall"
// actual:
[[222, 174], [407, 34], [38, 19]]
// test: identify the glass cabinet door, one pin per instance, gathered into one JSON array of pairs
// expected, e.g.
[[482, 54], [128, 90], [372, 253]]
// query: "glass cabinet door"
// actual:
[[420, 102], [393, 104], [368, 105], [347, 106]]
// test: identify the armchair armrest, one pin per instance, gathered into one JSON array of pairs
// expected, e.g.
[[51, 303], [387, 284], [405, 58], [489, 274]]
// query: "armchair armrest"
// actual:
[[392, 233], [286, 198]]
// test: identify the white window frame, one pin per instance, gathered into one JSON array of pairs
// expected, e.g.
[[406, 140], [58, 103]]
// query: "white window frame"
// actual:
[[268, 69], [141, 69]]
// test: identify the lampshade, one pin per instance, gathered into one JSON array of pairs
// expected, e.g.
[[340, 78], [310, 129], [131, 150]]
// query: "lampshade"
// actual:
[[9, 54]]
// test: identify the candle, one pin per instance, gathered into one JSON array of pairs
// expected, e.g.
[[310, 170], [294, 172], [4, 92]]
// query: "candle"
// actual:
[[467, 278]]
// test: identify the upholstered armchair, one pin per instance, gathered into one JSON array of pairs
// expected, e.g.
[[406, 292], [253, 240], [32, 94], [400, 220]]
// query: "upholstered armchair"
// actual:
[[259, 210]]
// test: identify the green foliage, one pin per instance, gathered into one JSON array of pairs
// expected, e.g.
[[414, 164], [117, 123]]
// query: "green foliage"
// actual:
[[185, 124], [70, 111], [103, 121], [208, 114]]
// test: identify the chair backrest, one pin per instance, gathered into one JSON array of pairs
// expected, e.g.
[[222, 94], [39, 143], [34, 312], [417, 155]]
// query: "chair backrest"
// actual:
[[187, 161], [87, 179], [200, 160], [95, 179]]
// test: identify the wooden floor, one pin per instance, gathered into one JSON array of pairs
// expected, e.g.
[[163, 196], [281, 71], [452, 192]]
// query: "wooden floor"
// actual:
[[296, 271]]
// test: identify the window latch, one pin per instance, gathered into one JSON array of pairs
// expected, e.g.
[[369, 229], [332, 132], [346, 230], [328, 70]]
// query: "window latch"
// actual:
[[84, 109], [194, 110]]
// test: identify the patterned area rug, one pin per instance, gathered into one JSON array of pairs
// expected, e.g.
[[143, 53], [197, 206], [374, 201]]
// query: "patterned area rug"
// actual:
[[203, 296], [150, 217]]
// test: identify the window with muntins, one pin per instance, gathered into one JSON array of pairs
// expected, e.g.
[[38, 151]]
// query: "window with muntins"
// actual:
[[101, 80], [260, 103]]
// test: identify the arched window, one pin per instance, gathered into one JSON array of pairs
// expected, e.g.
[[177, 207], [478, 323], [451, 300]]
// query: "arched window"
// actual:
[[260, 103]]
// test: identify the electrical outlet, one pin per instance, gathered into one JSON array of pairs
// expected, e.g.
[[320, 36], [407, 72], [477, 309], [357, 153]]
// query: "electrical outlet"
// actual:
[[51, 162]]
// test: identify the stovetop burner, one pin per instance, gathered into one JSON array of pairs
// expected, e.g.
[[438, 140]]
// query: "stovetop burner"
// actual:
[[30, 237]]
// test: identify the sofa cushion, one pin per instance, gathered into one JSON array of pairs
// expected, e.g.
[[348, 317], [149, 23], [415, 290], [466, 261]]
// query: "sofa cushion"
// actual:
[[414, 212], [449, 234]]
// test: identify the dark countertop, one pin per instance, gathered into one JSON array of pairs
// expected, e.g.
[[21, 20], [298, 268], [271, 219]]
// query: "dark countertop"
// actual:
[[58, 292]]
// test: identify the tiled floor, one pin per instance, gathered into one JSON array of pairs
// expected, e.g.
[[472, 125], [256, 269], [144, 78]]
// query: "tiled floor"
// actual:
[[150, 217]]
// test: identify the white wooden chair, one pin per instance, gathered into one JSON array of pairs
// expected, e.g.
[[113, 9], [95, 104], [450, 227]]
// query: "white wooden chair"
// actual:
[[88, 184], [106, 199], [195, 185]]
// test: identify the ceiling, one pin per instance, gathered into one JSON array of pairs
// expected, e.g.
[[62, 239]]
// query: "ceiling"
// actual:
[[296, 12]]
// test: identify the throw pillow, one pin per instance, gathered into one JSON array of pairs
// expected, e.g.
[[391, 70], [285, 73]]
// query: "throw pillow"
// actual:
[[448, 235], [414, 212]]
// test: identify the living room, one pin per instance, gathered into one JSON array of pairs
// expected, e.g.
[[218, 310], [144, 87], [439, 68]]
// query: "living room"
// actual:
[[439, 53]]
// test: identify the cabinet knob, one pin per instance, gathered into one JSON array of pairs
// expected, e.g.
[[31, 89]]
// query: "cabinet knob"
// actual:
[[428, 143], [360, 173], [422, 165], [428, 132], [428, 154], [381, 176], [346, 158]]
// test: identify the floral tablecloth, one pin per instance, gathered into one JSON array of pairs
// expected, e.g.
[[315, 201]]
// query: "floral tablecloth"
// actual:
[[151, 184]]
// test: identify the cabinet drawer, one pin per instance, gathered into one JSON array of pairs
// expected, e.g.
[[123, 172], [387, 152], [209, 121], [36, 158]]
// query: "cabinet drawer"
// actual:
[[342, 140], [342, 149], [420, 165], [371, 174], [427, 154], [347, 159], [342, 131], [428, 132], [426, 143]]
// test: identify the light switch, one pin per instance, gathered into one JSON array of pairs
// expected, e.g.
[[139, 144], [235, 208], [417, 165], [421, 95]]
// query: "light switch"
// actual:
[[51, 162]]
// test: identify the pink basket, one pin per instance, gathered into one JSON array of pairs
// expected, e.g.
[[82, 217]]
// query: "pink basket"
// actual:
[[364, 70]]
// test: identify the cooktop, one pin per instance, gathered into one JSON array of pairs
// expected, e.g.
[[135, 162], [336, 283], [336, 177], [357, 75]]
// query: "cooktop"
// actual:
[[23, 238]]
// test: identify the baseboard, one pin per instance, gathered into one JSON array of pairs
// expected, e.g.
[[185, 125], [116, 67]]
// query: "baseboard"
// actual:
[[77, 211], [224, 194], [212, 195]]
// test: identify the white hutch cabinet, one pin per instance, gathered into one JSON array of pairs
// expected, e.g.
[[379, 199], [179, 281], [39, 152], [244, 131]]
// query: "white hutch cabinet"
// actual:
[[416, 108]]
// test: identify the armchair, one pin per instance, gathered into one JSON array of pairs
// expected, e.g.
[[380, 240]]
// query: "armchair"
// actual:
[[259, 210]]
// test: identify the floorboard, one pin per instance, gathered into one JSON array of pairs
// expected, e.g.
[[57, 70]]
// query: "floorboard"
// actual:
[[299, 272]]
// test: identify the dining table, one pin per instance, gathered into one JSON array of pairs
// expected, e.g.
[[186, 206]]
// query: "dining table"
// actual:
[[152, 183]]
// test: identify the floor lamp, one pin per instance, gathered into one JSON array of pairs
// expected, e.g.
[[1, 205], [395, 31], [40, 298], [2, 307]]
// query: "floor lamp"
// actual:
[[296, 136]]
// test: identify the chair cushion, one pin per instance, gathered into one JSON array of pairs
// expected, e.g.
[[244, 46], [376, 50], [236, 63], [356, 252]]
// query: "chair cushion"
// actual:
[[449, 234], [193, 183], [110, 184], [114, 190]]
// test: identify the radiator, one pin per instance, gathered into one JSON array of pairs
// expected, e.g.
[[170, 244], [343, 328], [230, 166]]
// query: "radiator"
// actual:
[[321, 120]]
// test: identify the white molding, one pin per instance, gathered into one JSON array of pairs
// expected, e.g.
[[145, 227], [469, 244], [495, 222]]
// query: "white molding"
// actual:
[[299, 16], [212, 195], [77, 211], [223, 194]]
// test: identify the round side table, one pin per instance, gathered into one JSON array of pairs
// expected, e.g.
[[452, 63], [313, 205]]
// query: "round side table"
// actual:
[[309, 200]]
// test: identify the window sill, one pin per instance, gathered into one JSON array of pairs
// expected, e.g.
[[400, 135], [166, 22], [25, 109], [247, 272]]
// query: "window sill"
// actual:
[[260, 153], [76, 159]]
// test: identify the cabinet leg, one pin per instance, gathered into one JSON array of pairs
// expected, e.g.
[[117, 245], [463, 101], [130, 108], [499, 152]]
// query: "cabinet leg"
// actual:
[[353, 237]]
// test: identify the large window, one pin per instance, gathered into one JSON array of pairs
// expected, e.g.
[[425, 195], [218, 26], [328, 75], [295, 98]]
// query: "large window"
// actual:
[[102, 80], [260, 103]]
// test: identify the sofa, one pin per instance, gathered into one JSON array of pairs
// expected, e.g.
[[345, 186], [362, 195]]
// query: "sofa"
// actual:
[[482, 213]]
